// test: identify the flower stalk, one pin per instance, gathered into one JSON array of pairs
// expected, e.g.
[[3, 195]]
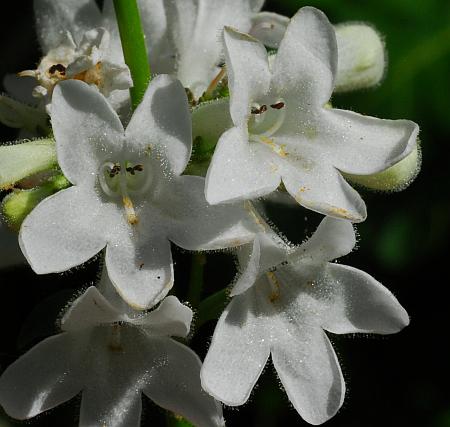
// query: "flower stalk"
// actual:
[[133, 45]]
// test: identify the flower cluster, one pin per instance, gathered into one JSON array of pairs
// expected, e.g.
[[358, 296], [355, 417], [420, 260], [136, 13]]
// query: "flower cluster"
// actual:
[[238, 108]]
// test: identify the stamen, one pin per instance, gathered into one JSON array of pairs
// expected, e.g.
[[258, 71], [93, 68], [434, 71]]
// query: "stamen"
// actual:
[[278, 105], [260, 110], [57, 68], [273, 280], [129, 210]]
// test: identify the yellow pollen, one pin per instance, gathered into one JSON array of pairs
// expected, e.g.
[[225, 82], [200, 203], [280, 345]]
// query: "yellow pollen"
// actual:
[[275, 282], [129, 209], [278, 149]]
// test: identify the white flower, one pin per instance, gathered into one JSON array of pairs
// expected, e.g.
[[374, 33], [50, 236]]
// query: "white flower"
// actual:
[[112, 359], [73, 50], [183, 37], [284, 130], [284, 300], [128, 194]]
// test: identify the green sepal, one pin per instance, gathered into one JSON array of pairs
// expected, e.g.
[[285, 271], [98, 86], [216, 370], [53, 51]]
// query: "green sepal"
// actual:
[[209, 121], [19, 161], [19, 203], [395, 178]]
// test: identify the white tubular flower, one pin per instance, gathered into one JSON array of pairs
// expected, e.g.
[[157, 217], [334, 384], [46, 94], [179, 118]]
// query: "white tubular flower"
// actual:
[[128, 194], [112, 359], [193, 29], [73, 49], [284, 301], [284, 130]]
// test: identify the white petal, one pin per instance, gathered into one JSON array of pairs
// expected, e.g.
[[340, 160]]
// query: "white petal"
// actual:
[[87, 130], [140, 266], [196, 225], [115, 377], [54, 18], [359, 303], [170, 318], [239, 171], [196, 27], [20, 88], [16, 114], [90, 309], [248, 73], [361, 59], [365, 145], [321, 188], [106, 404], [238, 352], [175, 384], [160, 47], [49, 374], [333, 239], [269, 28], [63, 231], [268, 251], [10, 254], [309, 371], [306, 62], [162, 122]]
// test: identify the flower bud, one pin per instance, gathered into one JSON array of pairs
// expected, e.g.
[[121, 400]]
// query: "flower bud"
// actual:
[[395, 178], [361, 60], [19, 161]]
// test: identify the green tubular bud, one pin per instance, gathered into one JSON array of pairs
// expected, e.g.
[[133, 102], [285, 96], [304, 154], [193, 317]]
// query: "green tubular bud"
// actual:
[[19, 161], [15, 114], [395, 178], [19, 203], [362, 58]]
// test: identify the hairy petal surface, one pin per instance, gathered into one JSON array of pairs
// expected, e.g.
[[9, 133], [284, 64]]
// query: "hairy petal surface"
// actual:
[[239, 333], [238, 170], [175, 383], [162, 122], [310, 73], [248, 73], [64, 230], [86, 128], [40, 380]]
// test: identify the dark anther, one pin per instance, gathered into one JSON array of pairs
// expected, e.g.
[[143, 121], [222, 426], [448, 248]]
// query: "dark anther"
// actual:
[[133, 169], [57, 68], [259, 110], [278, 105], [114, 171]]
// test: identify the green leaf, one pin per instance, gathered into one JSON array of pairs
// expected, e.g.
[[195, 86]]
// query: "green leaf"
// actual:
[[19, 161]]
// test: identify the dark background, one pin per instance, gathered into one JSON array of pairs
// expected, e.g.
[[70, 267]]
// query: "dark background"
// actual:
[[399, 380]]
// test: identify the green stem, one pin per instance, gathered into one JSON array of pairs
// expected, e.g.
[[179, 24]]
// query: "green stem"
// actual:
[[196, 280], [133, 45], [211, 308]]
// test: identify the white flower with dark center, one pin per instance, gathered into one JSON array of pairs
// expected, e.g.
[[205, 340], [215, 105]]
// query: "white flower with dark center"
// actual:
[[111, 359], [284, 130], [284, 300], [128, 194], [75, 47]]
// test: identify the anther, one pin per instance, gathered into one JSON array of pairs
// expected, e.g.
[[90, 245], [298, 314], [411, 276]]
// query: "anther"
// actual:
[[57, 68], [114, 170], [259, 110], [278, 105]]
